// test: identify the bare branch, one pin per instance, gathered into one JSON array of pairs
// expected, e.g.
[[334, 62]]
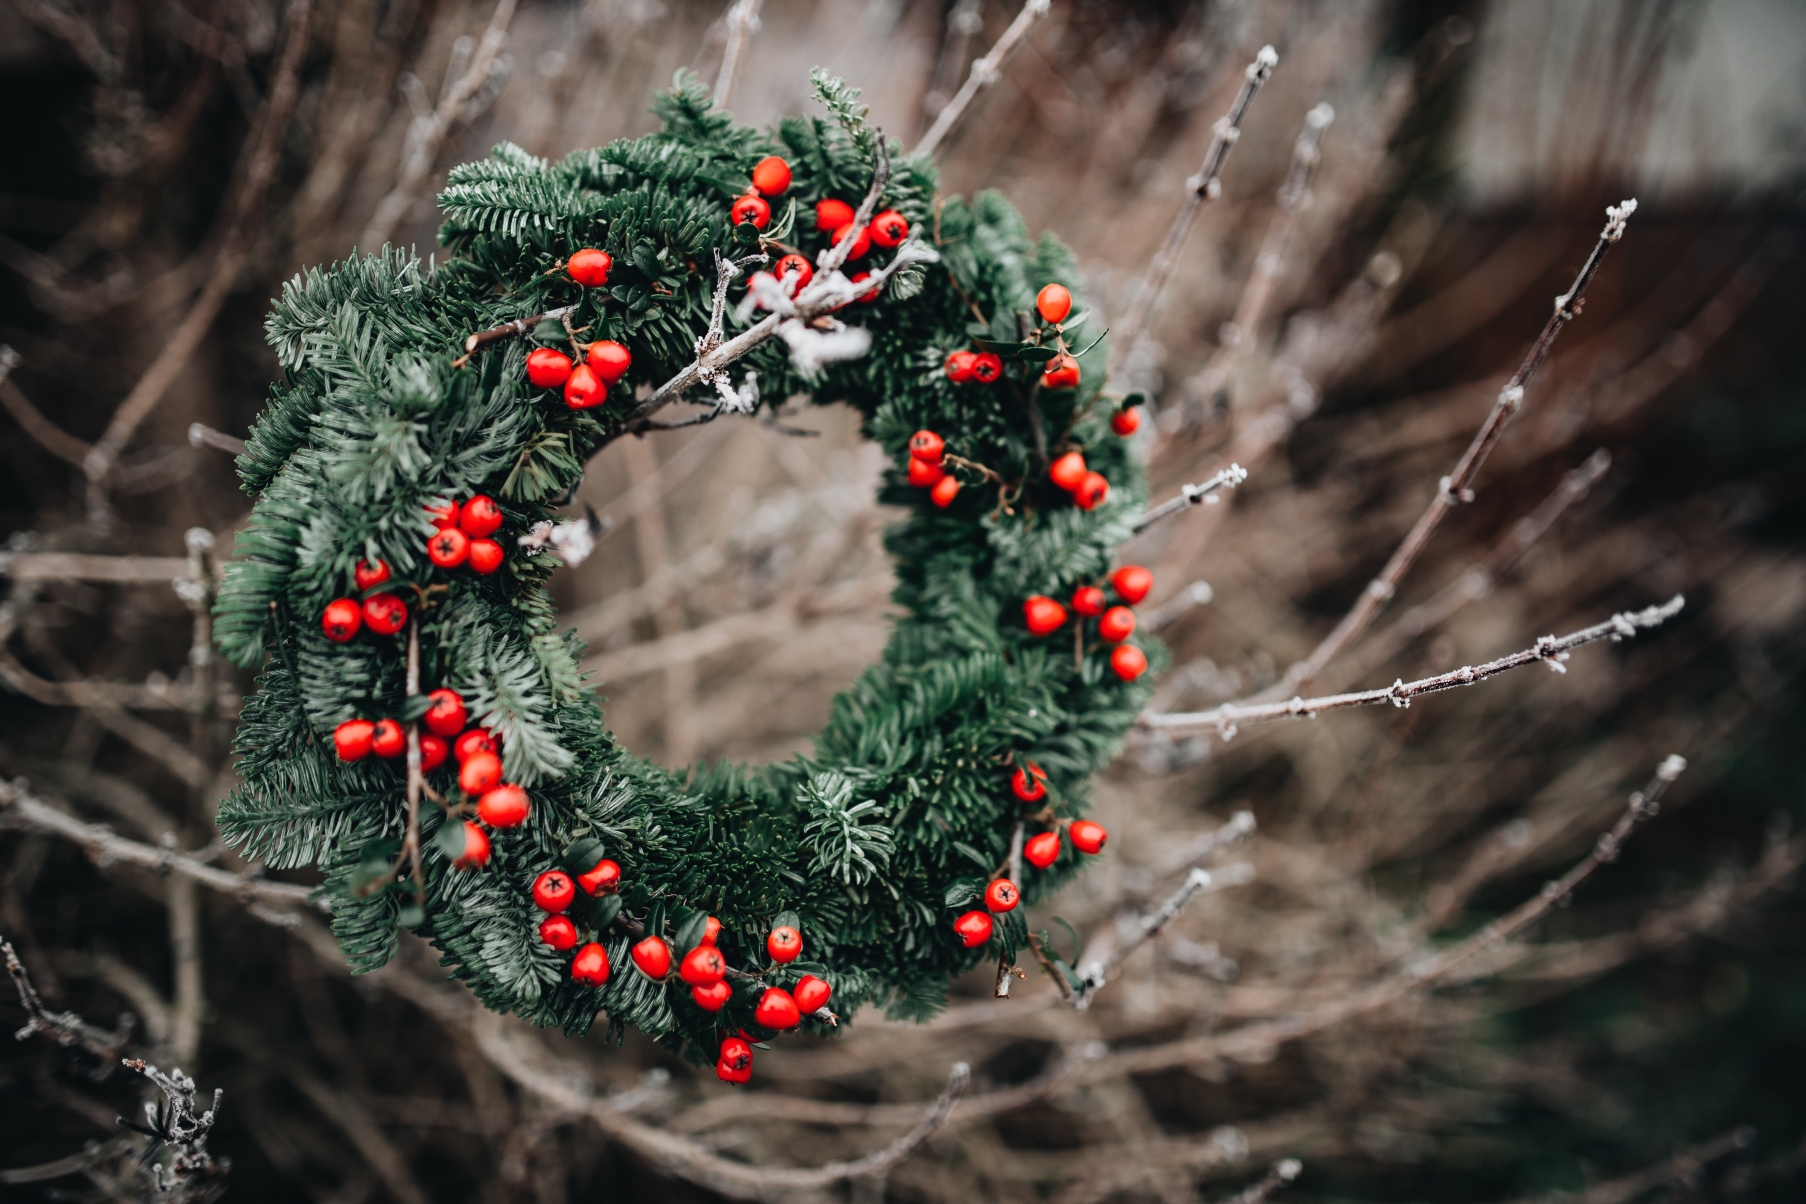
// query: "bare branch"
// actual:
[[78, 566], [742, 22], [202, 435], [1096, 973], [1283, 1172], [1192, 495], [509, 330], [65, 1028], [51, 437], [984, 73]]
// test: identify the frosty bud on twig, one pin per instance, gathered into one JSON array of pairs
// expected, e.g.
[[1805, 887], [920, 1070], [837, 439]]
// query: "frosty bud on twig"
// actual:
[[1191, 495]]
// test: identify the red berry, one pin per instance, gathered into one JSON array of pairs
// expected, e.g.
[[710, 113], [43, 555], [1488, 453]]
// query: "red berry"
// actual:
[[785, 944], [1043, 615], [1129, 662], [590, 267], [653, 957], [433, 753], [1088, 837], [352, 739], [554, 891], [926, 445], [1002, 895], [711, 928], [832, 215], [703, 965], [485, 556], [1067, 471], [446, 717], [862, 242], [474, 741], [342, 619], [547, 368], [1030, 785], [750, 208], [1132, 582], [480, 773], [797, 266], [443, 514], [777, 1010], [1042, 850], [480, 516], [811, 994], [1126, 422], [1088, 600], [504, 807], [959, 366], [602, 878], [558, 932], [590, 967], [945, 490], [1062, 372], [870, 295], [1054, 302], [974, 929], [889, 228], [449, 548], [610, 360], [1117, 625], [385, 614], [585, 389], [1092, 491], [735, 1063], [925, 474], [771, 175], [713, 997], [388, 740], [367, 575], [987, 368], [476, 849]]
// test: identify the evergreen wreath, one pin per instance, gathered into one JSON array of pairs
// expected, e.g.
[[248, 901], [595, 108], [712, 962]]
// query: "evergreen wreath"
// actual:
[[987, 715]]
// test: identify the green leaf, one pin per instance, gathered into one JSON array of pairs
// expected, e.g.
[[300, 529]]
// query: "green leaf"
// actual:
[[449, 839], [551, 331], [581, 857], [1038, 355], [606, 909], [962, 891], [374, 861], [787, 919], [413, 707], [1078, 946], [645, 257], [746, 234], [689, 932], [786, 224]]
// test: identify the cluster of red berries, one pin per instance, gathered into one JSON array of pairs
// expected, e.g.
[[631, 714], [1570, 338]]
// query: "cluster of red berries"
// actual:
[[463, 535], [1053, 303], [966, 367], [499, 804], [1115, 624], [553, 893], [1028, 784], [926, 451], [384, 613], [1089, 489], [586, 385]]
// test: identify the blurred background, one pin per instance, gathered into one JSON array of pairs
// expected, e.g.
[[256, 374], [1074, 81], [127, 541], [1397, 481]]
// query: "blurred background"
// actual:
[[168, 163]]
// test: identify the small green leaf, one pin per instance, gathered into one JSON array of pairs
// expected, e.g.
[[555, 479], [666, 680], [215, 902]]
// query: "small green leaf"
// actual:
[[1133, 399], [1038, 355], [581, 857], [962, 891], [1008, 350], [449, 839], [689, 932], [605, 910], [1078, 946], [788, 223], [645, 258], [413, 707], [973, 855], [550, 331], [787, 919], [412, 916], [746, 233]]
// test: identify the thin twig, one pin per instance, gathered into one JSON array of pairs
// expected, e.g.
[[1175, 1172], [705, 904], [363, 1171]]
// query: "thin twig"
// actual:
[[742, 22], [65, 1028], [1283, 1172], [78, 566], [51, 437], [1192, 495], [1097, 972], [509, 330], [202, 435], [984, 72]]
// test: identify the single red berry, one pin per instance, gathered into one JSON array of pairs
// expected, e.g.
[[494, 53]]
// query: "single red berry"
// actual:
[[713, 997], [480, 773], [1043, 615], [959, 366], [446, 716], [342, 619], [448, 548], [702, 965], [558, 932], [974, 929], [474, 741], [610, 360], [831, 214], [1029, 785], [862, 242], [1092, 491], [734, 1065], [1062, 372], [925, 474], [602, 878], [653, 957], [777, 1010], [1129, 662], [944, 491], [1067, 471], [443, 514], [1132, 582], [750, 208], [1088, 837], [585, 389], [1126, 422], [871, 294], [554, 891], [352, 739], [811, 994], [1042, 850], [547, 368], [504, 807], [480, 516], [485, 556], [590, 967], [889, 228], [794, 266], [987, 368], [1002, 895], [590, 267], [476, 849], [785, 944], [711, 928], [1117, 625], [367, 575], [771, 175], [433, 753], [926, 445], [388, 739], [1088, 600], [1054, 302], [385, 614]]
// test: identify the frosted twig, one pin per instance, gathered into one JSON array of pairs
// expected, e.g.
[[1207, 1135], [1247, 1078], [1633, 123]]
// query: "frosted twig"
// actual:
[[1458, 485], [1550, 650], [1094, 974], [175, 1123], [202, 435], [80, 566], [984, 72], [1191, 495], [1205, 186], [742, 22], [1283, 1172], [1198, 593], [963, 21], [509, 330], [65, 1028], [51, 437]]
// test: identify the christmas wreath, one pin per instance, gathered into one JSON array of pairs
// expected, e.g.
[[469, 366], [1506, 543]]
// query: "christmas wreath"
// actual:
[[421, 730]]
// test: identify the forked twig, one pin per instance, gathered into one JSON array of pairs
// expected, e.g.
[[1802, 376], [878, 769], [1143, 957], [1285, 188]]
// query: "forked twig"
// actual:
[[984, 72], [65, 1028]]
